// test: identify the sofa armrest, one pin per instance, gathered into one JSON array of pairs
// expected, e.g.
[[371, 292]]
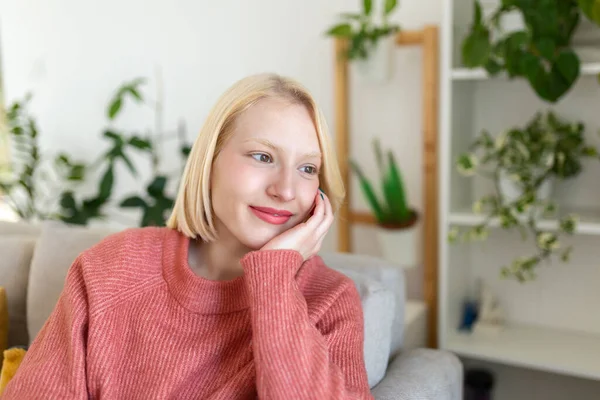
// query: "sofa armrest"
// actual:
[[423, 374]]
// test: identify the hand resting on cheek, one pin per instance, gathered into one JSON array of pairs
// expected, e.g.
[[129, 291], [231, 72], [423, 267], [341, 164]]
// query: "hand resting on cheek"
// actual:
[[306, 237]]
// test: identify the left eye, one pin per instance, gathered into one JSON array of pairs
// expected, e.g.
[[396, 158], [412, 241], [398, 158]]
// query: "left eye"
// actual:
[[309, 169], [262, 157]]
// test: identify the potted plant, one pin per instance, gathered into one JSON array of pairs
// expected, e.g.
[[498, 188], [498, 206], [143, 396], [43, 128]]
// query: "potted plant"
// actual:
[[395, 219], [521, 163], [539, 49], [370, 42]]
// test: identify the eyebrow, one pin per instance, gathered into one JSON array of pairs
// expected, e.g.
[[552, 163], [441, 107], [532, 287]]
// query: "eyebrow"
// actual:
[[268, 143]]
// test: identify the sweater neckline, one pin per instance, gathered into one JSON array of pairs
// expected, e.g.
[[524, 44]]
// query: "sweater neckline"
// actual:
[[196, 293]]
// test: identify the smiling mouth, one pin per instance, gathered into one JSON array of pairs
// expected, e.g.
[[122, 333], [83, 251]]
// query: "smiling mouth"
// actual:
[[271, 216]]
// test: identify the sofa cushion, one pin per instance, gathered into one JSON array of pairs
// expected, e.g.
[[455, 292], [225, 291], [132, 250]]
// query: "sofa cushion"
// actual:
[[17, 252], [378, 310], [19, 228], [57, 248], [382, 271]]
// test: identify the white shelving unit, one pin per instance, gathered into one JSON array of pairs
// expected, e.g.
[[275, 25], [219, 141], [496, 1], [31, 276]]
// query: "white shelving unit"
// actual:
[[552, 323]]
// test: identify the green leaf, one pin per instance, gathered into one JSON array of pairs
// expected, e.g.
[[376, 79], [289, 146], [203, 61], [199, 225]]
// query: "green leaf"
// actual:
[[567, 63], [77, 172], [367, 6], [128, 162], [342, 30], [379, 157], [114, 136], [67, 201], [62, 159], [389, 6], [135, 93], [139, 143], [591, 9], [156, 188], [396, 193], [185, 150], [476, 48], [493, 67], [477, 14], [134, 202], [369, 193], [546, 47], [106, 184], [114, 107]]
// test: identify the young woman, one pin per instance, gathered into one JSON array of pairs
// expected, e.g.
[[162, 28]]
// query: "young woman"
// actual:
[[230, 300]]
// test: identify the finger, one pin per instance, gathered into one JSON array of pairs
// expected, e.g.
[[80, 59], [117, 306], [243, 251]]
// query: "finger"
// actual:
[[327, 221], [318, 214]]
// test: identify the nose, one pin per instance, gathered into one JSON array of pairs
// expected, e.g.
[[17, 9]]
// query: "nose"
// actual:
[[282, 185]]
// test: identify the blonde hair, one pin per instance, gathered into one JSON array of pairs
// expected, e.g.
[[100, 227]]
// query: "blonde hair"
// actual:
[[192, 213]]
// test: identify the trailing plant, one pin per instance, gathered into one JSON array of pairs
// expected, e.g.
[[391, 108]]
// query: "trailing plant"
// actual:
[[546, 148], [64, 178], [541, 52], [393, 210], [362, 31]]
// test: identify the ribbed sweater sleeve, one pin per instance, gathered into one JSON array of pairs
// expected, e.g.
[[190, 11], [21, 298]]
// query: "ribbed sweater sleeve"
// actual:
[[293, 359], [54, 367]]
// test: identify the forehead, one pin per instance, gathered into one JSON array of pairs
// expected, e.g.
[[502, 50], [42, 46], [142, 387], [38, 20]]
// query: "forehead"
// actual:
[[285, 124]]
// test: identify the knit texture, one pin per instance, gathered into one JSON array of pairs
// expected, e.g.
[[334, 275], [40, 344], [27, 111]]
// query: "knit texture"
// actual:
[[135, 322]]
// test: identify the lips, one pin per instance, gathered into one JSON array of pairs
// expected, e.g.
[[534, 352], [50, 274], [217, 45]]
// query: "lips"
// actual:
[[271, 215]]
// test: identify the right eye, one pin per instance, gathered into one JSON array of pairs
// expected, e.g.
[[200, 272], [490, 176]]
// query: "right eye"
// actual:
[[262, 157]]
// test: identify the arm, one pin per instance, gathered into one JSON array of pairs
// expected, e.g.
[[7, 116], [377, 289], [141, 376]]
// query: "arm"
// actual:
[[54, 366], [422, 374], [293, 359]]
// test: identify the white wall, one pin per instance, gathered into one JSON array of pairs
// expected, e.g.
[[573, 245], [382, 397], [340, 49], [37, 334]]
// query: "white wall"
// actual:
[[71, 54]]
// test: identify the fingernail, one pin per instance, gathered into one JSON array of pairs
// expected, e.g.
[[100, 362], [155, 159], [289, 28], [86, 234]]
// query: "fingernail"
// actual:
[[322, 198]]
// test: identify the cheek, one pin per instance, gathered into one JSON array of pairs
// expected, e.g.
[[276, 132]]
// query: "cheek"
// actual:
[[307, 196], [234, 186]]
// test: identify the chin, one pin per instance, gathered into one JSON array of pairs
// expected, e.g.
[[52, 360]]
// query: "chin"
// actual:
[[257, 240]]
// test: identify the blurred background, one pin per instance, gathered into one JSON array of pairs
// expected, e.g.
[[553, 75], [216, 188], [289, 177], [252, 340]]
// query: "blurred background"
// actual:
[[111, 94]]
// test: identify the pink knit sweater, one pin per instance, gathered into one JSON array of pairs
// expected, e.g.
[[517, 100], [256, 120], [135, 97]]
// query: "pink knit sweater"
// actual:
[[134, 322]]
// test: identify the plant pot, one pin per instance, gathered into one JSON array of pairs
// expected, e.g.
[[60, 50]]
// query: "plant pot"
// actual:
[[379, 64], [400, 244], [512, 191]]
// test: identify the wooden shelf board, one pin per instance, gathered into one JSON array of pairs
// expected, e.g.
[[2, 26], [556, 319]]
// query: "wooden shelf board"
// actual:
[[361, 217], [474, 74], [589, 220], [545, 349]]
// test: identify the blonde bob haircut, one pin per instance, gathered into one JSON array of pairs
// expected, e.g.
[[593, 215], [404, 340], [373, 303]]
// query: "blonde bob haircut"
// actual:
[[192, 213]]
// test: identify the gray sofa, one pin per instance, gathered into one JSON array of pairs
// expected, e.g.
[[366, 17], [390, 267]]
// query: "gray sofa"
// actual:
[[34, 260]]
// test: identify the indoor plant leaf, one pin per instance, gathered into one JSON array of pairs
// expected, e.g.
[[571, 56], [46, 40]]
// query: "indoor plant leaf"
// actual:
[[367, 6], [395, 192], [134, 201], [369, 193], [389, 6], [476, 48], [106, 184], [591, 9], [114, 107], [342, 30]]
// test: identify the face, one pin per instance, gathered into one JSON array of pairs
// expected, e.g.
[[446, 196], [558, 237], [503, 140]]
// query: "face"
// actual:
[[266, 177]]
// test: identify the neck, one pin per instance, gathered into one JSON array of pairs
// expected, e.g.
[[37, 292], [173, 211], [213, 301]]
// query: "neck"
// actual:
[[218, 260]]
